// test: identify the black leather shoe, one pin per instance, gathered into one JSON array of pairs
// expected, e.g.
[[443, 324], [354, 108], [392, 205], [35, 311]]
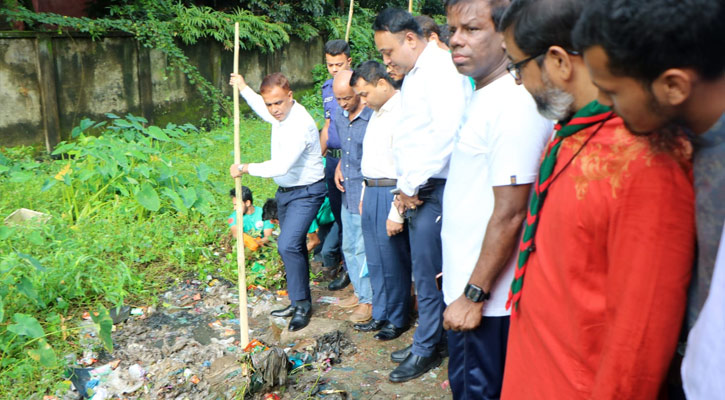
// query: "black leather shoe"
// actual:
[[400, 355], [340, 282], [389, 332], [284, 312], [370, 326], [414, 366], [301, 317]]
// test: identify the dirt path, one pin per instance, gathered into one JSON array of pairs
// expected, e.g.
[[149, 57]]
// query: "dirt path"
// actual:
[[186, 348]]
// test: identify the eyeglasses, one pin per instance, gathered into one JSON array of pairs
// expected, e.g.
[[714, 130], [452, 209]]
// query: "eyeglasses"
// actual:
[[515, 68]]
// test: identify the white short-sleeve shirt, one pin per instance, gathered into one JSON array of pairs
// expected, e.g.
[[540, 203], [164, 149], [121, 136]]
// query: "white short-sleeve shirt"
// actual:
[[499, 143]]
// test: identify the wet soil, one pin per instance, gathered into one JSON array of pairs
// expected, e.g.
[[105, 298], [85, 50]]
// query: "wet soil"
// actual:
[[186, 347]]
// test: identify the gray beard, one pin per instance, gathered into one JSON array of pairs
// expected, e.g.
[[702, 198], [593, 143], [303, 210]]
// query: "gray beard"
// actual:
[[552, 102]]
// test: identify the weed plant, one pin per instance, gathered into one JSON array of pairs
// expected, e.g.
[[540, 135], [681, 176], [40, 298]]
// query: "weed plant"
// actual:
[[132, 208]]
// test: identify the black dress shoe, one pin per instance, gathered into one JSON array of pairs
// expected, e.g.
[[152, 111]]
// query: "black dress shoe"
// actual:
[[389, 332], [301, 317], [400, 355], [414, 366], [284, 312], [370, 326], [340, 283]]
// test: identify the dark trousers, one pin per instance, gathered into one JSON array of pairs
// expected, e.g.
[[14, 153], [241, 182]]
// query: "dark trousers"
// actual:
[[333, 194], [424, 230], [475, 367], [296, 209], [388, 259], [329, 252]]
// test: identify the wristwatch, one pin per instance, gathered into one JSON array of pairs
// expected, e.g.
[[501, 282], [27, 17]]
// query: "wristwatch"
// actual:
[[475, 293]]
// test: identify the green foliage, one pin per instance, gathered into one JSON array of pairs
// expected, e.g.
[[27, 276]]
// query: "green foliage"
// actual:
[[158, 24], [299, 15], [102, 246], [129, 159], [362, 41]]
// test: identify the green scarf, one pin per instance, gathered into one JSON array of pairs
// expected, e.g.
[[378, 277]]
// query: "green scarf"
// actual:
[[592, 113]]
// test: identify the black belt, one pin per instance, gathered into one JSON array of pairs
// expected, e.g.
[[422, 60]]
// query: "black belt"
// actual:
[[335, 153], [291, 188], [427, 188], [380, 182]]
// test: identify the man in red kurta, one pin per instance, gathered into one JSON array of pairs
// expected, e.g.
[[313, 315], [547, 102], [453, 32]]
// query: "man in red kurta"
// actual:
[[600, 287]]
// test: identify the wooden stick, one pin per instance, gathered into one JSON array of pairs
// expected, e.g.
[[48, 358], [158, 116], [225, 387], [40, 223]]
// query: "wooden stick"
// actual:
[[349, 22], [243, 323], [410, 6]]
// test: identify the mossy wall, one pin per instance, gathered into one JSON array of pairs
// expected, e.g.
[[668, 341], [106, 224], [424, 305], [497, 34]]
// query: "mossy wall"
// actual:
[[107, 75]]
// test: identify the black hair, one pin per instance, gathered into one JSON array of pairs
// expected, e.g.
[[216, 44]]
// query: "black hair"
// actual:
[[497, 7], [337, 47], [246, 194], [643, 38], [395, 20], [427, 26], [445, 35], [269, 210], [540, 24], [370, 71]]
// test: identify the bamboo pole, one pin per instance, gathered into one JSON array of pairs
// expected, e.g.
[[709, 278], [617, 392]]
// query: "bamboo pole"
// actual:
[[410, 6], [349, 22], [243, 323]]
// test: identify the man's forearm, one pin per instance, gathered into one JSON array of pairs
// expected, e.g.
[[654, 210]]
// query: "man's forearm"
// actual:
[[324, 134], [502, 235]]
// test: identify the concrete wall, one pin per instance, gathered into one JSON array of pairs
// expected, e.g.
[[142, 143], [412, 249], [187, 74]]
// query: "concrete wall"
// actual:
[[48, 83]]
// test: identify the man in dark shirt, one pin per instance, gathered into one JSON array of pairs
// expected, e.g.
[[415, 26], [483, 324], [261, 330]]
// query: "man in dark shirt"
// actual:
[[337, 58]]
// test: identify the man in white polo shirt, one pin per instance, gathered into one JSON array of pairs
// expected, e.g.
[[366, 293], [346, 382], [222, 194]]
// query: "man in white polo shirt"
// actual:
[[494, 162]]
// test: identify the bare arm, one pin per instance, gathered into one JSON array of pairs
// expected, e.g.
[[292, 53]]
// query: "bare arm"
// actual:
[[324, 136], [502, 235]]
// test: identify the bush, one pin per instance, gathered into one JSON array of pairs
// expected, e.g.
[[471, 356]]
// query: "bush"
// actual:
[[132, 208]]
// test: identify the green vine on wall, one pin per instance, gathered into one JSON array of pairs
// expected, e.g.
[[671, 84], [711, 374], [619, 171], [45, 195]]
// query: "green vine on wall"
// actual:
[[162, 25]]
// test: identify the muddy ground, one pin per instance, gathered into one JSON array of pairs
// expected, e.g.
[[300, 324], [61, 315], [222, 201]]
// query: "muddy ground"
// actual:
[[186, 347]]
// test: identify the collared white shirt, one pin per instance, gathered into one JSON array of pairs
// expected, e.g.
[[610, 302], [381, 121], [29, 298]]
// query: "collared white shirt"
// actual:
[[434, 96], [377, 160], [499, 144], [296, 153]]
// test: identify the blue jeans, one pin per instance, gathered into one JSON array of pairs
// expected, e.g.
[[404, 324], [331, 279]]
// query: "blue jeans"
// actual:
[[353, 247]]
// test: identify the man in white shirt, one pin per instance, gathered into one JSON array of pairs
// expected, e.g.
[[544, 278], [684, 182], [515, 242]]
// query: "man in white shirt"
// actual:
[[296, 166], [433, 97], [387, 249], [495, 161]]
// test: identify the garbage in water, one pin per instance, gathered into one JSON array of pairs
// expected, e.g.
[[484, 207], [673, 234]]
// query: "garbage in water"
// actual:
[[189, 348]]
